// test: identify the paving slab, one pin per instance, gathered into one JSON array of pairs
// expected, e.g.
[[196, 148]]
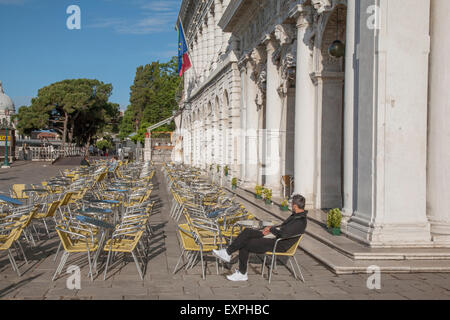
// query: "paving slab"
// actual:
[[161, 284]]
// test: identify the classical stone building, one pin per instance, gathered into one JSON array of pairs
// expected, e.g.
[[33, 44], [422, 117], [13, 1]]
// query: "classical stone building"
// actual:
[[367, 132], [7, 109]]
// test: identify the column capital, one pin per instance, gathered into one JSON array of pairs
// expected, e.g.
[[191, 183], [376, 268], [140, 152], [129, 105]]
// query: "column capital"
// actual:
[[303, 16], [269, 42], [242, 63]]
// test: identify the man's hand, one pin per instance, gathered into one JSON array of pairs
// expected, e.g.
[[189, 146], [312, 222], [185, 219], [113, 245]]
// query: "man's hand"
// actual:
[[266, 231]]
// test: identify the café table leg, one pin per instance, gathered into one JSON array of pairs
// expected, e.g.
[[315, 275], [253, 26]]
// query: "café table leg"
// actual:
[[99, 250]]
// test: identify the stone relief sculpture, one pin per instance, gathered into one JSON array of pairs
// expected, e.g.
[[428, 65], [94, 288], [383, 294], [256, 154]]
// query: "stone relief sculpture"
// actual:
[[259, 76], [287, 68], [284, 33], [261, 85], [322, 5]]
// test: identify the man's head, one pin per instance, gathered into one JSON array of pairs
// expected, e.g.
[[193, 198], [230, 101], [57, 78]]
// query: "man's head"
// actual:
[[298, 203]]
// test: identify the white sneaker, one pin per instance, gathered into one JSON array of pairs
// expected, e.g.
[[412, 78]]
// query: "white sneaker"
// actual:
[[222, 254], [237, 276]]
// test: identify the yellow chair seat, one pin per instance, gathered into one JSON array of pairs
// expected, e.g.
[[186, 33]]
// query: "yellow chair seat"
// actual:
[[80, 246], [124, 245], [290, 252], [189, 242]]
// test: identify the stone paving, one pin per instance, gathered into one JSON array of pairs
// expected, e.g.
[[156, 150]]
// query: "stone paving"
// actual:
[[28, 172], [160, 283]]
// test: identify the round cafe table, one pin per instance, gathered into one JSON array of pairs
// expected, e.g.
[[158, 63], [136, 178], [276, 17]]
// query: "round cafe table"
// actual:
[[253, 224]]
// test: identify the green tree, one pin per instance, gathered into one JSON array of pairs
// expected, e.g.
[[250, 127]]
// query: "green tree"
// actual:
[[77, 109], [126, 125], [152, 98], [104, 144]]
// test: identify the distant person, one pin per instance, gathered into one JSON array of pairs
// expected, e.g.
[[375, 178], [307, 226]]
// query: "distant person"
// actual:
[[25, 151], [115, 161], [85, 162]]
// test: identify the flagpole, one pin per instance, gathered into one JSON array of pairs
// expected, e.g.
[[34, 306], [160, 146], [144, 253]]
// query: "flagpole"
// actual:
[[190, 58]]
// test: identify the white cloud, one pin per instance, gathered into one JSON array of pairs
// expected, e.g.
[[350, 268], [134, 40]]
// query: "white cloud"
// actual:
[[156, 16]]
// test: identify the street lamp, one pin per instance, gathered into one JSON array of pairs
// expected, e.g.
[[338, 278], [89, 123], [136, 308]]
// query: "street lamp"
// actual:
[[5, 125]]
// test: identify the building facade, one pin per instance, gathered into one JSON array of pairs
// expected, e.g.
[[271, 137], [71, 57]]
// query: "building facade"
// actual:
[[7, 109], [367, 131]]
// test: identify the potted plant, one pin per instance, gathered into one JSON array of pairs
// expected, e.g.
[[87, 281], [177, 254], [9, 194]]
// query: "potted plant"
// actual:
[[284, 205], [268, 195], [334, 218], [234, 183], [225, 171], [258, 192]]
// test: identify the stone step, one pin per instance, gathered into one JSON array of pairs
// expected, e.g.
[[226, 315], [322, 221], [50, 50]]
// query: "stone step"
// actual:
[[353, 250], [357, 251], [341, 264]]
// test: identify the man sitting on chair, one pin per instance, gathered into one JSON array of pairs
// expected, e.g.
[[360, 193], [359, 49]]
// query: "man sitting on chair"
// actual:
[[256, 241]]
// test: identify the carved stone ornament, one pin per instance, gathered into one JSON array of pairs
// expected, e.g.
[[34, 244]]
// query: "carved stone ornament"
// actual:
[[261, 88], [322, 5], [287, 68], [284, 33]]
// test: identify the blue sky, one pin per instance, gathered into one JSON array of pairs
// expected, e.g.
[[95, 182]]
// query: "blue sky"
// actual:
[[116, 36]]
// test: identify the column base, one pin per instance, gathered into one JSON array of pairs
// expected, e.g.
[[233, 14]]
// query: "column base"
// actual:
[[440, 232], [277, 190], [346, 216], [389, 235]]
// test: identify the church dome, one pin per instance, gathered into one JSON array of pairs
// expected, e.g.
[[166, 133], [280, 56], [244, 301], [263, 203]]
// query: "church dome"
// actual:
[[5, 102]]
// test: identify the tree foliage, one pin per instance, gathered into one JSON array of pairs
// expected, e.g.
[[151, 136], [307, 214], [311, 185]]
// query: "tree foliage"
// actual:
[[152, 98], [78, 109]]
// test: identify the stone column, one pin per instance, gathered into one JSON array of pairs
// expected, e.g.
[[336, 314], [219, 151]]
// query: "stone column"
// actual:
[[217, 30], [273, 123], [438, 166], [199, 53], [305, 122], [195, 58], [212, 140], [243, 120], [391, 128], [349, 111], [196, 143], [207, 142], [200, 137], [204, 49], [211, 40], [251, 143]]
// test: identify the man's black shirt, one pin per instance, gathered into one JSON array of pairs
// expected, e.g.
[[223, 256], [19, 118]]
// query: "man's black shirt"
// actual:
[[294, 225]]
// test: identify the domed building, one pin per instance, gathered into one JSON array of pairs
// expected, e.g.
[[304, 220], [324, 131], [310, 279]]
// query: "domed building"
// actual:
[[7, 109], [6, 104]]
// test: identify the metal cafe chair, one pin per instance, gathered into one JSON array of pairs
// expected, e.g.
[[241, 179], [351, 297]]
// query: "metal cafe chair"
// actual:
[[290, 253]]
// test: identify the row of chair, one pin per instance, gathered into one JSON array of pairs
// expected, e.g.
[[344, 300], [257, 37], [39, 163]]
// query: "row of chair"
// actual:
[[74, 203], [212, 219]]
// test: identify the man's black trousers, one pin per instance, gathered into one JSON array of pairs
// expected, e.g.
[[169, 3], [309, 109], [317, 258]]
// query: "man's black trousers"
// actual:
[[249, 240]]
